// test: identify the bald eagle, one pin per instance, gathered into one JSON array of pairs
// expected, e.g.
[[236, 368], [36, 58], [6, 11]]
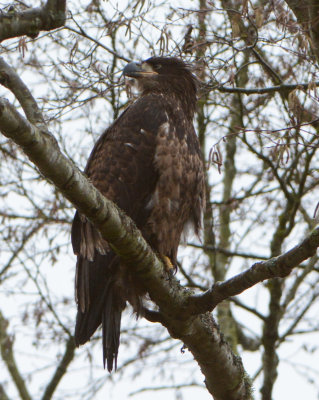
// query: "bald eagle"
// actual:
[[149, 163]]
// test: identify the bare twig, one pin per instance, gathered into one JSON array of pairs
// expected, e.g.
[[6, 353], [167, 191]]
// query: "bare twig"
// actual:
[[228, 253]]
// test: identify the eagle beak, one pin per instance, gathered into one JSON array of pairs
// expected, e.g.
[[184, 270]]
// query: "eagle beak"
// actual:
[[135, 70]]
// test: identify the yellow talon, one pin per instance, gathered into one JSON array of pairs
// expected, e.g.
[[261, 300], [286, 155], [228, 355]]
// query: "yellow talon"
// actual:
[[167, 263]]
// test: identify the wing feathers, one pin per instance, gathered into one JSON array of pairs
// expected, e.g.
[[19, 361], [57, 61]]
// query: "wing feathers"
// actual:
[[148, 162]]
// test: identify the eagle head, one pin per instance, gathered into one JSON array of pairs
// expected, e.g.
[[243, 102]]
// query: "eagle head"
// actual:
[[167, 75]]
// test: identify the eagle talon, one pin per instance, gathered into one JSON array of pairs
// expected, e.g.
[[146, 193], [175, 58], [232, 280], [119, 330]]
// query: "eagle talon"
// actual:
[[169, 267]]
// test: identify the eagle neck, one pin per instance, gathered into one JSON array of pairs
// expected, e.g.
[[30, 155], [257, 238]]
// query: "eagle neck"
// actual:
[[182, 97]]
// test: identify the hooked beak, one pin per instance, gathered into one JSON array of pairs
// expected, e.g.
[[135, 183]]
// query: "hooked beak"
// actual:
[[136, 70]]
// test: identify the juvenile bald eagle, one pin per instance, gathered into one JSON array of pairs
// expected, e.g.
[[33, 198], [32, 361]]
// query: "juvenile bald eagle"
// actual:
[[149, 163]]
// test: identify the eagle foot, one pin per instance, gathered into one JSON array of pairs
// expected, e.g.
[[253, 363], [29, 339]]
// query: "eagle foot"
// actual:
[[169, 267]]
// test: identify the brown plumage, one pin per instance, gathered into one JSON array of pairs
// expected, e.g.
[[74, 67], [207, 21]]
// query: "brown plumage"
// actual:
[[149, 163]]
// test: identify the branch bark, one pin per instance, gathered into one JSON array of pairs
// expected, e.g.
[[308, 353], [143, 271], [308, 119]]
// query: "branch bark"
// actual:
[[11, 80], [31, 21]]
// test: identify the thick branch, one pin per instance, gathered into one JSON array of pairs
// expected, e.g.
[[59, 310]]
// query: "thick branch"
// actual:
[[224, 373], [30, 22]]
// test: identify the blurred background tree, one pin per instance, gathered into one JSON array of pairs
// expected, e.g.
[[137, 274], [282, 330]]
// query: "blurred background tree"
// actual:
[[257, 122]]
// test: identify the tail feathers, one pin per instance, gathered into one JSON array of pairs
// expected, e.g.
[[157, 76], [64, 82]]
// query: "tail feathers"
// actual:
[[100, 299], [88, 321], [111, 329], [91, 286]]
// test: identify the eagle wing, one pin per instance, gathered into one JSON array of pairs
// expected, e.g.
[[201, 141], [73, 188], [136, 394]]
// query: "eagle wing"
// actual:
[[177, 202], [148, 162], [121, 166]]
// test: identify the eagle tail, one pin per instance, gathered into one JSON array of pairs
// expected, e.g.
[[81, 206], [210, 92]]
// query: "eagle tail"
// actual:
[[99, 301], [111, 329]]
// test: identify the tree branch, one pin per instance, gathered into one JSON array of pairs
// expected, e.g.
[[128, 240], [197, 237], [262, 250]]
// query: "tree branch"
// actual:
[[3, 394], [280, 266], [283, 88], [61, 369], [6, 344], [30, 22], [16, 252], [11, 80], [227, 252]]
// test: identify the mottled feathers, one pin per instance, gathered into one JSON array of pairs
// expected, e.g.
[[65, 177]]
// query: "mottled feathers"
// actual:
[[149, 163]]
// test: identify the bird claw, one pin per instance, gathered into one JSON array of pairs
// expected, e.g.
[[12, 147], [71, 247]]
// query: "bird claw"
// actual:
[[169, 267]]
